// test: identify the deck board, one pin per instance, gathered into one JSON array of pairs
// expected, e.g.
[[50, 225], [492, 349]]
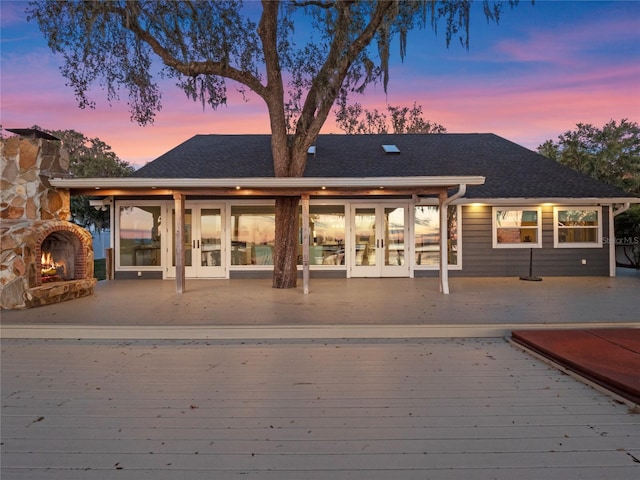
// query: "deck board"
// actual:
[[303, 409]]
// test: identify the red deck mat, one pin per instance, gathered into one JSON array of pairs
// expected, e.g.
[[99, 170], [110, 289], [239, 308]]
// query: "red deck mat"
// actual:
[[625, 337], [609, 357]]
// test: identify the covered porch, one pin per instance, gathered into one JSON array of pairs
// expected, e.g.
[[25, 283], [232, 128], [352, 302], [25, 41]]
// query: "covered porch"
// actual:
[[446, 189]]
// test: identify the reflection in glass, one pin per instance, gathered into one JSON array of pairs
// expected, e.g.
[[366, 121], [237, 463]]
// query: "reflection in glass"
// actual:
[[394, 236], [365, 236], [210, 236], [516, 226], [139, 235], [427, 235], [327, 225], [253, 234], [577, 226], [188, 237]]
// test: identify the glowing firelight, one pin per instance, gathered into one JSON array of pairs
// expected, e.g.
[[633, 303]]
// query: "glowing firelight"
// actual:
[[48, 266]]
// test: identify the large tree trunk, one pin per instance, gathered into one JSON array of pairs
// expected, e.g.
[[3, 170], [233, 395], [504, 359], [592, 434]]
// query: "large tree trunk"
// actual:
[[285, 259]]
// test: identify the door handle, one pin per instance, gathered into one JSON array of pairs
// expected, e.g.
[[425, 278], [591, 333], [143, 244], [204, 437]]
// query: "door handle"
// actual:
[[198, 243]]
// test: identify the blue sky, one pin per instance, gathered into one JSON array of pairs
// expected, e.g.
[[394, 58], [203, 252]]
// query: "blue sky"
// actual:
[[543, 69]]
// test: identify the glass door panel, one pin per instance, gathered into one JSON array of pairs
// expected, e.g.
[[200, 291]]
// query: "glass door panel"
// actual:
[[365, 236], [210, 244], [378, 242], [394, 236], [203, 243]]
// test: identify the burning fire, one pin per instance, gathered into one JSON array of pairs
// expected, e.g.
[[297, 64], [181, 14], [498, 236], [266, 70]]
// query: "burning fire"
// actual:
[[48, 266]]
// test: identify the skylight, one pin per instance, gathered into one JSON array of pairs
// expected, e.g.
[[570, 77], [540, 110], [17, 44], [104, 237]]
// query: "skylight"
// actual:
[[390, 149], [312, 150]]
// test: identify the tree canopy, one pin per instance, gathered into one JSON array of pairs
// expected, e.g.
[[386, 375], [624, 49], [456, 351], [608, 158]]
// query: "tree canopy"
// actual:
[[202, 45], [610, 154], [89, 157], [354, 119]]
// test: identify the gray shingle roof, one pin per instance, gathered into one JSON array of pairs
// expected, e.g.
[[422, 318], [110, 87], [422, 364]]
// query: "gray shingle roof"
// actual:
[[511, 170]]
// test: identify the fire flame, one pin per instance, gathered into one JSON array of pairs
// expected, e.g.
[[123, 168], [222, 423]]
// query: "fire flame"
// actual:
[[48, 266]]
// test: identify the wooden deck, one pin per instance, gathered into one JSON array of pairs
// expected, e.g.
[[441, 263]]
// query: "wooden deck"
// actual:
[[296, 409]]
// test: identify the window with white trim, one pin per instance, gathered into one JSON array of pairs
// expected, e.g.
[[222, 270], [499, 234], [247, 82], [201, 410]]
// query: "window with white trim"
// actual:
[[577, 227], [517, 227]]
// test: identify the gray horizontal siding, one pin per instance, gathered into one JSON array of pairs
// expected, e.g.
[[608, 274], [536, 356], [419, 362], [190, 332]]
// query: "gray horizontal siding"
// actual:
[[479, 258]]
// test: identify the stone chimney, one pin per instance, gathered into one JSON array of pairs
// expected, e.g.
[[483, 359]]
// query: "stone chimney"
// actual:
[[44, 258], [27, 163]]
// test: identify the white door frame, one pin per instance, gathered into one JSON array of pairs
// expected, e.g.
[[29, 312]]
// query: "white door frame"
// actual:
[[375, 256], [207, 261]]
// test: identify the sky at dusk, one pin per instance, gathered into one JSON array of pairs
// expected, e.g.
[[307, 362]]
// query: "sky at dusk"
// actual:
[[540, 71]]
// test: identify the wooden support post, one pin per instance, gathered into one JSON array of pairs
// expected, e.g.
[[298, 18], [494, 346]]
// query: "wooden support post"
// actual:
[[444, 244], [108, 254], [305, 243], [179, 242]]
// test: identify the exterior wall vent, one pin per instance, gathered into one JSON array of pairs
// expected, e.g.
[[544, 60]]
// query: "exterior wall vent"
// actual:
[[391, 149]]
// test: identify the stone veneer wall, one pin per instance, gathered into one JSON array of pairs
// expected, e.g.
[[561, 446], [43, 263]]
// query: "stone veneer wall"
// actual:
[[25, 193], [30, 209]]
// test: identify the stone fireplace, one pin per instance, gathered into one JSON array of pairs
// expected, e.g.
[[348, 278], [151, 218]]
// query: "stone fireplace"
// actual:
[[44, 258]]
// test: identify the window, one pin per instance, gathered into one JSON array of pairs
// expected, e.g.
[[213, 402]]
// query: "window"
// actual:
[[427, 235], [253, 234], [577, 227], [327, 224], [391, 149], [517, 227], [139, 238]]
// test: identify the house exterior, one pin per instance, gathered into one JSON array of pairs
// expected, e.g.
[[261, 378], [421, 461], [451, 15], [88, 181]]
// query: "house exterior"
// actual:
[[371, 206]]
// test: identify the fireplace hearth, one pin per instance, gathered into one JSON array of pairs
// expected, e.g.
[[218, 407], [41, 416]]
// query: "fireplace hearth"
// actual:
[[57, 261], [52, 261]]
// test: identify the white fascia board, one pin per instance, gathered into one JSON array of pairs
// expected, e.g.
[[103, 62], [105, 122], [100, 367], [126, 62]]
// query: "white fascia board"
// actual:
[[548, 200], [263, 182]]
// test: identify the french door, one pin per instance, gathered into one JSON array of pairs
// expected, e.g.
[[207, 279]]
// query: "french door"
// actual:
[[379, 234], [204, 242]]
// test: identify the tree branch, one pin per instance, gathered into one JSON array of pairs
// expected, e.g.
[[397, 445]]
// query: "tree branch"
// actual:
[[129, 19], [327, 84], [274, 91]]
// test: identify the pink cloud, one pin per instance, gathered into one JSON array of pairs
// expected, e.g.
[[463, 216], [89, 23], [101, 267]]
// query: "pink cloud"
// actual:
[[566, 46]]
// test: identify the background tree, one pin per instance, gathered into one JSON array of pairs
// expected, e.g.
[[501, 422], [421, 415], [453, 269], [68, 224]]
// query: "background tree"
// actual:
[[353, 119], [204, 44], [610, 154], [89, 157]]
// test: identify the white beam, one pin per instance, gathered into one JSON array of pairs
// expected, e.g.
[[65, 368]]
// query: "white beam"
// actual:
[[444, 245], [267, 182]]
